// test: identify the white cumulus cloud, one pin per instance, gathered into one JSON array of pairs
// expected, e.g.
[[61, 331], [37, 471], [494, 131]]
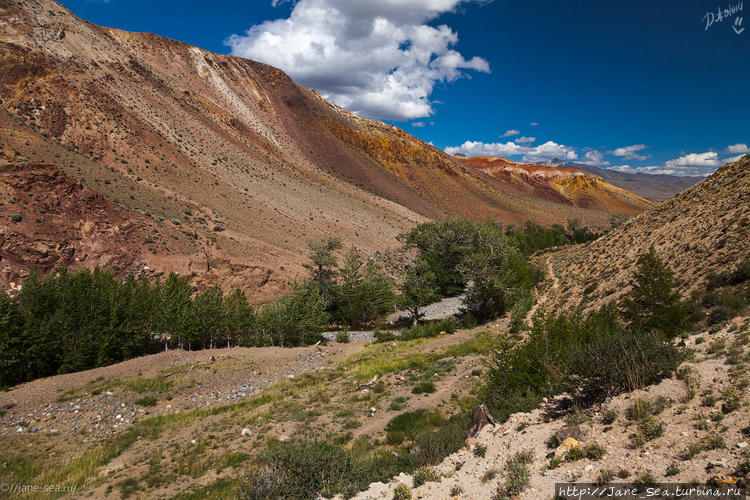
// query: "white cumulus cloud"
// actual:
[[524, 139], [376, 58], [707, 159], [630, 152], [532, 154], [510, 133], [595, 157], [738, 148]]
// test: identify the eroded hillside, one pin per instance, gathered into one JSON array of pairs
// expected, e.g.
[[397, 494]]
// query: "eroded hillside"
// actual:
[[169, 130], [702, 230]]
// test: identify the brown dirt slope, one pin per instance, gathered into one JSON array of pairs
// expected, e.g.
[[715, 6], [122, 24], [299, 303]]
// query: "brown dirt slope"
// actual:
[[561, 185], [703, 229], [214, 141]]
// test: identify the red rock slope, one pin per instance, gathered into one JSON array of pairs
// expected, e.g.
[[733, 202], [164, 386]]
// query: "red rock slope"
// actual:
[[163, 128], [560, 185]]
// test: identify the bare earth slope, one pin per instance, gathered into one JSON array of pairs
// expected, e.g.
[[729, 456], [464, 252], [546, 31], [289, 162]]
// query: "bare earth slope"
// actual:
[[231, 149], [705, 228]]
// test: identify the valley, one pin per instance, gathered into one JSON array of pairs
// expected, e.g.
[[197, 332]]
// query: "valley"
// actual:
[[217, 283]]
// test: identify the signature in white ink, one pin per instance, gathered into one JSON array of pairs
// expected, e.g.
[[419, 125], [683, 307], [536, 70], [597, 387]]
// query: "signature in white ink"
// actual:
[[721, 15]]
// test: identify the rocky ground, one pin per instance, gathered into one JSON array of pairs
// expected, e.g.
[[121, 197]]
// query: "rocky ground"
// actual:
[[104, 401], [702, 411], [216, 410]]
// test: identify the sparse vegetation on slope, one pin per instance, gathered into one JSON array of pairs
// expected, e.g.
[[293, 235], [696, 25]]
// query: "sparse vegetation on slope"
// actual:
[[594, 355]]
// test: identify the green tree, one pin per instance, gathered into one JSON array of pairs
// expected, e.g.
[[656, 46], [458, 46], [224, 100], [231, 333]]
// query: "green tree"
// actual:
[[174, 314], [323, 266], [652, 302], [484, 268], [41, 345], [11, 342], [365, 293], [418, 289], [295, 319], [443, 246], [209, 316], [239, 320]]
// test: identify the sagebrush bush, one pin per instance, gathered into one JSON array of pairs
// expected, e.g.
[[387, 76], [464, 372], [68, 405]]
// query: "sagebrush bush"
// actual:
[[595, 352]]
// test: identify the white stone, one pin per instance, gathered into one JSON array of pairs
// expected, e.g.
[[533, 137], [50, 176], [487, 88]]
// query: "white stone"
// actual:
[[246, 432]]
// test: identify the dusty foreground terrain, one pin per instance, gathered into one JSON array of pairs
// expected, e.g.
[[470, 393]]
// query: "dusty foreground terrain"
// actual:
[[703, 411], [103, 401], [212, 413], [180, 423]]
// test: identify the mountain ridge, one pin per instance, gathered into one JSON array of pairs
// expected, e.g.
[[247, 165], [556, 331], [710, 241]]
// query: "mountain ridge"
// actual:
[[168, 130], [655, 187], [563, 185]]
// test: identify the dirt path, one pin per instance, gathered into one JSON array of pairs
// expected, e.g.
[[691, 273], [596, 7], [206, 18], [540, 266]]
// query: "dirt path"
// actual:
[[541, 297], [105, 400]]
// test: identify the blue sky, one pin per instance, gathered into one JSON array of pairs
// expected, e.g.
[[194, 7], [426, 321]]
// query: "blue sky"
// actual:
[[637, 86]]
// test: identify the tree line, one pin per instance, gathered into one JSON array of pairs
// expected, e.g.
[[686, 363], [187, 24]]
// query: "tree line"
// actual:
[[77, 320]]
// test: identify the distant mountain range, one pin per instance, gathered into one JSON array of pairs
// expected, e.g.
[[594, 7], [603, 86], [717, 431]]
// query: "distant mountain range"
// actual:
[[654, 187]]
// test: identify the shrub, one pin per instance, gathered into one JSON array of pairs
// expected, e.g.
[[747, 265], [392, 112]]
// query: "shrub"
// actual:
[[609, 416], [479, 450], [651, 428], [716, 442], [595, 451], [646, 479], [489, 475], [424, 475], [384, 335], [692, 450], [434, 445], [596, 352], [641, 408], [577, 453], [577, 417], [423, 387], [517, 475], [395, 438], [409, 422], [732, 400], [342, 336], [402, 492], [146, 401], [672, 470], [429, 330], [261, 484], [709, 400], [397, 403], [605, 477], [312, 469]]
